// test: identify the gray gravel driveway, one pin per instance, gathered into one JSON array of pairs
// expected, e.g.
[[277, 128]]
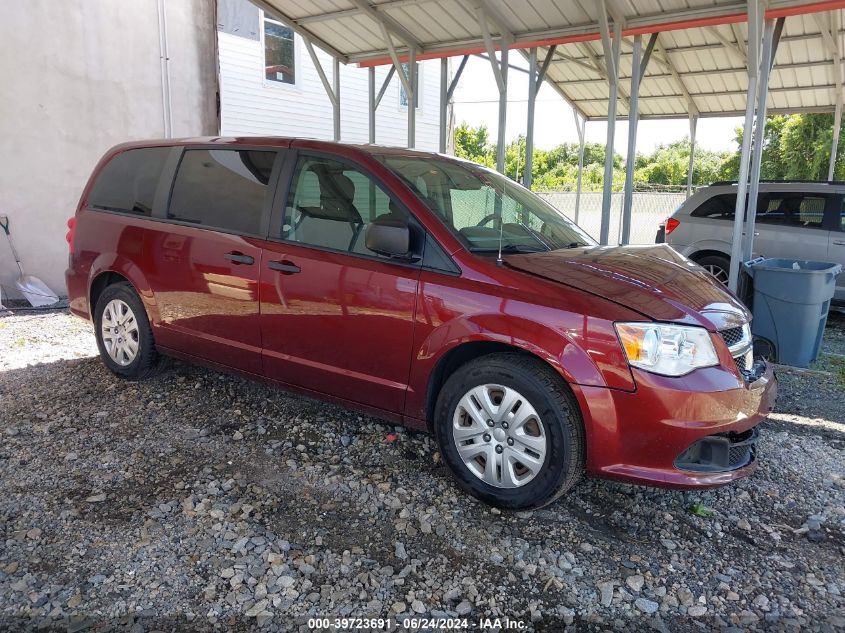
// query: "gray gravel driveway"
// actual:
[[202, 501]]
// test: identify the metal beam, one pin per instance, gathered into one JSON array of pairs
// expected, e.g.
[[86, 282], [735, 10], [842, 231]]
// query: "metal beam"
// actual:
[[491, 49], [755, 12], [304, 33], [581, 127], [529, 128], [535, 80], [458, 73], [693, 124], [589, 31], [444, 101], [604, 72], [336, 104], [412, 98], [832, 45], [385, 84], [637, 71], [729, 45], [667, 63], [371, 104], [649, 49], [702, 73], [332, 92], [766, 58], [394, 57], [611, 63], [385, 21]]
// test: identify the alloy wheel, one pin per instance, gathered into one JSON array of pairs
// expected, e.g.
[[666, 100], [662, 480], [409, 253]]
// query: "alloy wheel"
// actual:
[[718, 272], [499, 436]]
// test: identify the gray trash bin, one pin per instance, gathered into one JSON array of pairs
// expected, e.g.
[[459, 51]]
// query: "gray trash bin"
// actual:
[[790, 304]]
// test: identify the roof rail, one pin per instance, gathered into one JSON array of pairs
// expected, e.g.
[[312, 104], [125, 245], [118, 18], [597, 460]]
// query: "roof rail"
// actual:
[[785, 182]]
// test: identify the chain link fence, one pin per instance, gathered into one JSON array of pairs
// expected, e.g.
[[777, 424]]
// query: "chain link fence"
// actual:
[[649, 210]]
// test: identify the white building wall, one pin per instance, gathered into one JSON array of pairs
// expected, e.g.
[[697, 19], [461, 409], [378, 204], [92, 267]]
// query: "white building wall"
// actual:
[[251, 105], [79, 77]]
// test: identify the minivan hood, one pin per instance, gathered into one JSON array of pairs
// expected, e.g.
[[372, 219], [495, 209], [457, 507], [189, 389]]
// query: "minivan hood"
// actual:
[[656, 281]]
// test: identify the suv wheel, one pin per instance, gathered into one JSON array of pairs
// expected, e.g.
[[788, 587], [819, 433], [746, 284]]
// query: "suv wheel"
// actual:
[[717, 266], [510, 431], [123, 332]]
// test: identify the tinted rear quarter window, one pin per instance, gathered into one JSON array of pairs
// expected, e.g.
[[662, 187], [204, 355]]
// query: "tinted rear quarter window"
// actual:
[[128, 182], [784, 208], [222, 188]]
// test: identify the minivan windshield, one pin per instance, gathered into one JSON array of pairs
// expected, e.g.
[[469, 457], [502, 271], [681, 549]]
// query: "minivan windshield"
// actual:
[[481, 206]]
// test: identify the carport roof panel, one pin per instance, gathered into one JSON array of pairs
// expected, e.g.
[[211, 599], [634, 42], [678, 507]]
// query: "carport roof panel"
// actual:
[[700, 52]]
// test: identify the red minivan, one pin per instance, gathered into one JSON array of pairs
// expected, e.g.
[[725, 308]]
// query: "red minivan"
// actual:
[[425, 290]]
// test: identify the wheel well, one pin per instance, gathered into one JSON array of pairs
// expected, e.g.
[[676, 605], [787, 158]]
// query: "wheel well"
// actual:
[[697, 256], [100, 283], [457, 357]]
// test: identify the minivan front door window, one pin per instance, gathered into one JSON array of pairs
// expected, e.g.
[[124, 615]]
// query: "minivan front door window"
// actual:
[[331, 203], [482, 206]]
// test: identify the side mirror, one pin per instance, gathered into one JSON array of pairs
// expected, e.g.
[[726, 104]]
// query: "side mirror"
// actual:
[[390, 238]]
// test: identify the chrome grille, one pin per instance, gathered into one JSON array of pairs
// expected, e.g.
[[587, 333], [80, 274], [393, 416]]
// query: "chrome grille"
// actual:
[[738, 340], [733, 335]]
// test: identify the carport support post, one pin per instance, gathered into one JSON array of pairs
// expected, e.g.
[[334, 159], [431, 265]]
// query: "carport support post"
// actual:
[[754, 15], [503, 110], [633, 102], [371, 113], [693, 124], [447, 89], [412, 97], [535, 80], [529, 128], [611, 61], [336, 103], [444, 100], [332, 92], [759, 132], [834, 146], [581, 127]]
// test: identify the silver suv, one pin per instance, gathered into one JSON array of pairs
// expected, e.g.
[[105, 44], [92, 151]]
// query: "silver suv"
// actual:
[[795, 220]]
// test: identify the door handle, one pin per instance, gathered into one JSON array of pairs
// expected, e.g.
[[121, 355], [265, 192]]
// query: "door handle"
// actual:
[[239, 258], [285, 267], [839, 242]]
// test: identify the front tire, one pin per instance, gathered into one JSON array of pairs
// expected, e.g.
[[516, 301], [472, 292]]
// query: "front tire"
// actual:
[[510, 431], [123, 333]]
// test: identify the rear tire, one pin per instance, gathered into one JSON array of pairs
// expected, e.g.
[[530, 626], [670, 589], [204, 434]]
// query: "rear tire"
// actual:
[[123, 333], [717, 266], [531, 415]]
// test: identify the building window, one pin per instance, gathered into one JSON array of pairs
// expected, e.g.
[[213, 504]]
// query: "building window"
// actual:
[[279, 53], [403, 96]]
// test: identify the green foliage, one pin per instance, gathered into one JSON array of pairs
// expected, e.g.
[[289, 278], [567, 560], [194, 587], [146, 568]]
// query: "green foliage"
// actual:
[[795, 147], [701, 510]]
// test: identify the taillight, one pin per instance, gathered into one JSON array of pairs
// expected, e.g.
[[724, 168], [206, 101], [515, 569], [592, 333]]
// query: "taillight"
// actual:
[[671, 225], [71, 233]]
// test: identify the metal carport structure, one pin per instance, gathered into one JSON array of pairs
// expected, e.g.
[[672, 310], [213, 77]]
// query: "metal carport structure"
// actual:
[[608, 59]]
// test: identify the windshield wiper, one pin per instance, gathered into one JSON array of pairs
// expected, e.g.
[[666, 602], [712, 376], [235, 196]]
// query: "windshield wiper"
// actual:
[[508, 248]]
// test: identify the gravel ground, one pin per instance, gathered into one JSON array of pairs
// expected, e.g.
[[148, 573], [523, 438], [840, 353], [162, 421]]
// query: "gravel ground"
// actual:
[[201, 501]]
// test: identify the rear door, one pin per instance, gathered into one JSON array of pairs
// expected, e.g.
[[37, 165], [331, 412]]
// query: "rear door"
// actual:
[[791, 224], [207, 255]]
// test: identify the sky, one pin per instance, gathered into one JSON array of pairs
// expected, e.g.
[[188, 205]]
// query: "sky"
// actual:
[[476, 101]]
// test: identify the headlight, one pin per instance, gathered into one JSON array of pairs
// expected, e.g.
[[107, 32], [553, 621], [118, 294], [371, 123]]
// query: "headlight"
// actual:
[[671, 350]]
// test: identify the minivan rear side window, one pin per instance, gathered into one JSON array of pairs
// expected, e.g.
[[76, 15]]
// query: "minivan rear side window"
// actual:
[[128, 182], [222, 189], [786, 208]]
